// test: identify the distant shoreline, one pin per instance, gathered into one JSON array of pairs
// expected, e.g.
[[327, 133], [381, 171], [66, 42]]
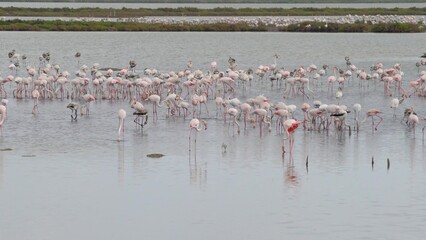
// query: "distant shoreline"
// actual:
[[189, 11], [219, 19], [308, 26]]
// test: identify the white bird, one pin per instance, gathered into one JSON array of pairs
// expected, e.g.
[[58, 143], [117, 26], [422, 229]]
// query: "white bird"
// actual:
[[121, 117]]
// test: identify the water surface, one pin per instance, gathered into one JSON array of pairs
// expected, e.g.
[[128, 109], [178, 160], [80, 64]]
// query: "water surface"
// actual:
[[73, 180]]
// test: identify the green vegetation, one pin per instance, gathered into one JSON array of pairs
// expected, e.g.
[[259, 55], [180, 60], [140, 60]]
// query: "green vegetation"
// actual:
[[188, 11], [355, 27], [38, 25]]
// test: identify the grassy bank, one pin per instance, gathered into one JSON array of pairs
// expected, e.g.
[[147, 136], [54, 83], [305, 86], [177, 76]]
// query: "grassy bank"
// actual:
[[355, 27], [186, 11], [38, 25]]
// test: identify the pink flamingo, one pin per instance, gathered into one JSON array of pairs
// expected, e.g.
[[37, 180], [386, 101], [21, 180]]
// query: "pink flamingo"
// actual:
[[182, 105], [305, 108], [2, 117], [195, 125], [155, 99], [195, 101], [139, 111], [234, 112], [36, 95], [246, 110], [219, 103], [290, 126], [263, 116], [282, 116], [357, 110], [413, 120], [121, 117], [374, 112], [88, 98], [213, 66]]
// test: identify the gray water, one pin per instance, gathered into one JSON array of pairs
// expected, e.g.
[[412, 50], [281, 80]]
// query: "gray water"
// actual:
[[72, 180], [207, 5]]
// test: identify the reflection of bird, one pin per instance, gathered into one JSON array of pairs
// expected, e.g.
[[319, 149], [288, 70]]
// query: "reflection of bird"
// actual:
[[195, 125], [121, 117], [423, 129], [73, 106]]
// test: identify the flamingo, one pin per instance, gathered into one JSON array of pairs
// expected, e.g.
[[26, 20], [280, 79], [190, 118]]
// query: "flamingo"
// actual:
[[183, 105], [373, 112], [219, 103], [121, 117], [194, 124], [263, 115], [88, 98], [290, 126], [155, 99], [73, 106], [2, 117], [234, 112], [246, 110], [357, 110], [139, 111], [213, 66], [395, 104], [413, 120], [36, 95], [339, 94], [282, 116]]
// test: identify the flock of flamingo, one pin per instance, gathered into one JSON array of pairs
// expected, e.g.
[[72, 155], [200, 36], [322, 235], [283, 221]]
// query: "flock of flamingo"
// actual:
[[187, 93], [274, 21]]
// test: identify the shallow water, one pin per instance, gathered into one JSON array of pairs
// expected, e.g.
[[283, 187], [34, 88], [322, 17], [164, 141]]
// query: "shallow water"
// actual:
[[69, 180]]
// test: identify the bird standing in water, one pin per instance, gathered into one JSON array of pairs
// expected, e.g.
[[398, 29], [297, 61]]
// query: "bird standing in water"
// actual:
[[195, 125], [2, 117], [73, 106], [121, 117], [290, 126]]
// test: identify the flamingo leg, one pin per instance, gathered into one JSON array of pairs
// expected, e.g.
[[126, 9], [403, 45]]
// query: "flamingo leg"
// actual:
[[291, 145], [381, 119], [189, 145]]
